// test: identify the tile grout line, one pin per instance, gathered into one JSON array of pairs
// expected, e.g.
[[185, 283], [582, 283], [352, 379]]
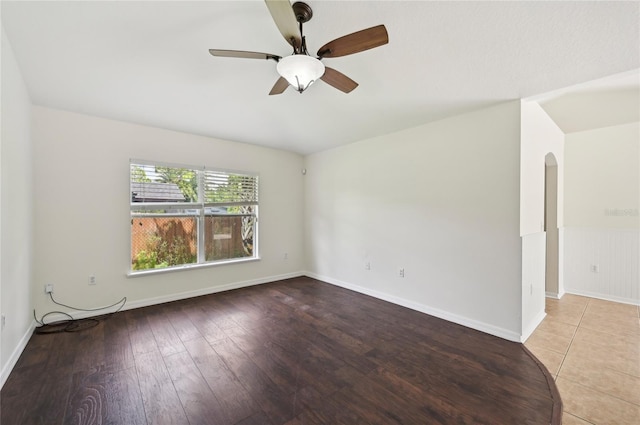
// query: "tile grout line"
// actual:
[[573, 337], [600, 392], [581, 418], [567, 352]]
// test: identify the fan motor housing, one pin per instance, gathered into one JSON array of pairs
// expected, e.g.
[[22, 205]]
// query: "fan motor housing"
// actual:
[[302, 11]]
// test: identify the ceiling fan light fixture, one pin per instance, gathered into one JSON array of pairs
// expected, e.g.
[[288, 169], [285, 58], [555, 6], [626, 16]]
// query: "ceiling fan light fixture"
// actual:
[[300, 70]]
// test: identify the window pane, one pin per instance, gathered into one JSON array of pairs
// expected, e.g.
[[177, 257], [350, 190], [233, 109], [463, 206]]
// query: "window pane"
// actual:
[[225, 188], [229, 232], [163, 240], [153, 183]]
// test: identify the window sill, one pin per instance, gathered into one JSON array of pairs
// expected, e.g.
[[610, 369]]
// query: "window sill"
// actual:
[[189, 267]]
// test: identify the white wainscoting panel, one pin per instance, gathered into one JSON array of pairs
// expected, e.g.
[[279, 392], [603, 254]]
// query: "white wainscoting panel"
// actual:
[[533, 282], [602, 263]]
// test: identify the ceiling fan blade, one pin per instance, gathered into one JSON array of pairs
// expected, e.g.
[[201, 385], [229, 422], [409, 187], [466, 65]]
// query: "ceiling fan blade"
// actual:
[[285, 19], [355, 42], [243, 54], [279, 87], [338, 80]]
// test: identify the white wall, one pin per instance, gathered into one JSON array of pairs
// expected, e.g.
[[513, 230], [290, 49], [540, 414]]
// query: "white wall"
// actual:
[[441, 201], [540, 136], [602, 179], [82, 210], [16, 212], [603, 175]]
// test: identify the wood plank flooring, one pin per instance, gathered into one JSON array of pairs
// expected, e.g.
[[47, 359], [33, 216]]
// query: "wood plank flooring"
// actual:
[[293, 352]]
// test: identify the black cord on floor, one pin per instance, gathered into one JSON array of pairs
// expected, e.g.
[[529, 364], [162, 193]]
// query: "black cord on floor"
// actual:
[[73, 325]]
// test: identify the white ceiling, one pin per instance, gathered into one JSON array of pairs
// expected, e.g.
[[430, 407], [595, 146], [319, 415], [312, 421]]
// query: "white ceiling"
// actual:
[[597, 104], [148, 62]]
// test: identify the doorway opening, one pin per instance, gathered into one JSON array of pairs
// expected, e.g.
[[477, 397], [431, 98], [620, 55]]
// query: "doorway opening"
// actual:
[[551, 226]]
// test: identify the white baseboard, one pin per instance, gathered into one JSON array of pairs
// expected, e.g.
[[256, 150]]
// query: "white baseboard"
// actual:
[[552, 295], [15, 355], [603, 297], [207, 291], [526, 333], [460, 320], [176, 297]]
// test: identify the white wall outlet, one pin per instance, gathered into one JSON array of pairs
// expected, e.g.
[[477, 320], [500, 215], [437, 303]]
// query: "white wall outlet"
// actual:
[[4, 320], [286, 256], [367, 265], [400, 272], [48, 288], [92, 280], [595, 268]]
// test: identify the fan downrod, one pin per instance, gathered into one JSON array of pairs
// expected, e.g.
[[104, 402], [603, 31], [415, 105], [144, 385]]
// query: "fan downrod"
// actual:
[[302, 11]]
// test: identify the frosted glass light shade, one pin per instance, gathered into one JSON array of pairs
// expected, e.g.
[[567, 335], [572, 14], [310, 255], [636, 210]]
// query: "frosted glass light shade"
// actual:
[[300, 70]]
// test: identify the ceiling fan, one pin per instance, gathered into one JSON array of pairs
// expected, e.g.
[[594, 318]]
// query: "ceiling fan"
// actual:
[[300, 69]]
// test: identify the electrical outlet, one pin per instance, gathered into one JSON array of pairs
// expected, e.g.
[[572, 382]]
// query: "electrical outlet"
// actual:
[[286, 255], [48, 288], [92, 280], [595, 268], [367, 265], [401, 272], [4, 320]]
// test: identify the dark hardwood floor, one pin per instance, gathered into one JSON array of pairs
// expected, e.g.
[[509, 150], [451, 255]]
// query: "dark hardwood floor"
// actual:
[[292, 352]]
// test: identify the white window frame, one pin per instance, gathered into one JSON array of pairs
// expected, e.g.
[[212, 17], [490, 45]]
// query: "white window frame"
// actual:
[[200, 208]]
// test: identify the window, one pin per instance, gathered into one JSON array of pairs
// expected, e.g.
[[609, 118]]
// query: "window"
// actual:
[[182, 216]]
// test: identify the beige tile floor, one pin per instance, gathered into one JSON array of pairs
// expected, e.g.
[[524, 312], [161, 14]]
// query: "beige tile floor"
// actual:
[[592, 348]]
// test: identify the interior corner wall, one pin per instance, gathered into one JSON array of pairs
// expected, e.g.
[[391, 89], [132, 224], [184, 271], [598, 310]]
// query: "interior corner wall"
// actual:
[[439, 201], [82, 218], [16, 213], [540, 136], [602, 222]]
